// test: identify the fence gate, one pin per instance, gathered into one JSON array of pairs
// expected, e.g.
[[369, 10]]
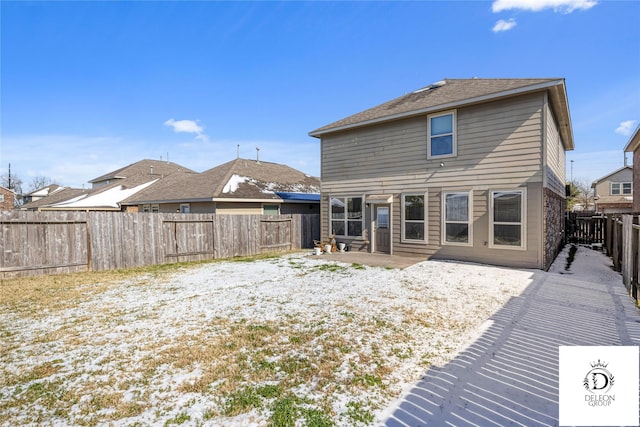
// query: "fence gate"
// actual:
[[584, 228]]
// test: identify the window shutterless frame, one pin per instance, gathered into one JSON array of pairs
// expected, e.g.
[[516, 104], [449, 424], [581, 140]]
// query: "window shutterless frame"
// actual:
[[346, 216], [457, 218], [442, 135], [413, 214], [507, 219]]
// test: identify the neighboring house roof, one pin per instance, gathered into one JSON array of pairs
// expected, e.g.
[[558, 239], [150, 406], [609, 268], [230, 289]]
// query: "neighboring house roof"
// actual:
[[115, 187], [45, 191], [452, 93], [634, 141], [237, 180], [143, 167], [61, 194], [109, 198], [604, 178]]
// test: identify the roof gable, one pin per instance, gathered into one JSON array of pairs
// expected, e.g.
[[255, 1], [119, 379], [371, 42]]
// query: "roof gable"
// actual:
[[615, 172]]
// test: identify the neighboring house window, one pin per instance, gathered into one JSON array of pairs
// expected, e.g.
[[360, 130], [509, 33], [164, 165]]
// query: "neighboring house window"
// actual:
[[146, 208], [507, 210], [1, 198], [346, 216], [457, 218], [270, 210], [618, 188], [185, 208], [414, 214], [441, 135], [155, 208]]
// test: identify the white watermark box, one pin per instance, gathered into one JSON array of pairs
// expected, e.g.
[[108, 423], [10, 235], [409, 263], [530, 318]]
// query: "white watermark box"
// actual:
[[598, 385]]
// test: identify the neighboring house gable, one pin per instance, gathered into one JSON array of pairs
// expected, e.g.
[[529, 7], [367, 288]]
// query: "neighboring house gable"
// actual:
[[613, 193], [469, 169], [634, 146], [238, 186], [7, 199], [41, 193]]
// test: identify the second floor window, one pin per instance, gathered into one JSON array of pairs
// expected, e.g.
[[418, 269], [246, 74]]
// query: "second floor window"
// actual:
[[620, 188], [441, 135]]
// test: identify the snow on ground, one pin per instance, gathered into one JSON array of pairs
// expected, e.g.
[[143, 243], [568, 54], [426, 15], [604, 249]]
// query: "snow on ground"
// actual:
[[135, 352]]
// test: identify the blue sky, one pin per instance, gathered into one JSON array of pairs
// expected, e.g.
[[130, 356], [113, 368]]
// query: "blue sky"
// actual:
[[88, 87]]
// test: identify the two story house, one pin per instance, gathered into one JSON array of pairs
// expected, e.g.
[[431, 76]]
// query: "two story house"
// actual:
[[633, 146], [613, 193], [464, 169]]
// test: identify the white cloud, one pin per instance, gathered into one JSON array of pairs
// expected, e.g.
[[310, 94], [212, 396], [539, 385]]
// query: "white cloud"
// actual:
[[503, 25], [563, 6], [626, 127], [187, 126]]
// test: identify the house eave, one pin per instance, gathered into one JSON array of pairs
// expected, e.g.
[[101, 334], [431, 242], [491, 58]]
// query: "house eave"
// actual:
[[559, 97], [634, 141]]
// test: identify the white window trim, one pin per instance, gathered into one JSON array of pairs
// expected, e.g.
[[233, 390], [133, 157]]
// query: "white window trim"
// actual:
[[453, 131], [444, 218], [523, 220], [621, 188], [403, 220], [346, 215]]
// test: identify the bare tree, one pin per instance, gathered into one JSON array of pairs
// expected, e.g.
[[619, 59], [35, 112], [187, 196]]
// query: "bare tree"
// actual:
[[38, 182], [13, 182], [581, 195]]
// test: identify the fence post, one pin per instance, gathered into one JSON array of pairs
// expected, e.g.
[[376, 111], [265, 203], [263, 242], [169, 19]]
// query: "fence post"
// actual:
[[627, 250]]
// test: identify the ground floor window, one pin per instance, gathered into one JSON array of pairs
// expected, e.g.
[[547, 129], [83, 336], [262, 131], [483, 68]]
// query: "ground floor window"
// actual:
[[346, 216], [150, 208], [507, 218], [414, 214], [185, 208], [456, 215]]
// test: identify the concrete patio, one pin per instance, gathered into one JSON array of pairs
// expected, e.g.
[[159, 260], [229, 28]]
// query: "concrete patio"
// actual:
[[374, 260]]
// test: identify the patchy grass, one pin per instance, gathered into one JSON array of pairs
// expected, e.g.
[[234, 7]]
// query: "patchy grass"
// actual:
[[271, 341]]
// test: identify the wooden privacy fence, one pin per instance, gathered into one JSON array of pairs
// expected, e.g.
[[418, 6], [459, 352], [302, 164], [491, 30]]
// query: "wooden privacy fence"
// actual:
[[584, 228], [59, 242], [622, 241]]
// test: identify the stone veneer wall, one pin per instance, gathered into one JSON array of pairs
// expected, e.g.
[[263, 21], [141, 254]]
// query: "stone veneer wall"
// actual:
[[554, 210]]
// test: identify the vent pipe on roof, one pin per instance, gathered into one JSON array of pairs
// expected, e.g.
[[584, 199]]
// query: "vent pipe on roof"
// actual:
[[151, 170], [238, 152], [625, 160], [257, 154]]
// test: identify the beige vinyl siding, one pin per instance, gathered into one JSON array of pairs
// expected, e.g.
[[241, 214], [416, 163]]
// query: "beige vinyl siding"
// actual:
[[502, 134], [603, 188], [555, 156], [230, 208], [499, 146]]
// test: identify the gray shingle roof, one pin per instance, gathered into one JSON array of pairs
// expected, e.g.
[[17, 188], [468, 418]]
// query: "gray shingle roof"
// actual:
[[254, 180], [142, 168], [441, 95]]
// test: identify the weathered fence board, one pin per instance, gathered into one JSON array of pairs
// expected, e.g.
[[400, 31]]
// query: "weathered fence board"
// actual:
[[59, 242], [623, 241]]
